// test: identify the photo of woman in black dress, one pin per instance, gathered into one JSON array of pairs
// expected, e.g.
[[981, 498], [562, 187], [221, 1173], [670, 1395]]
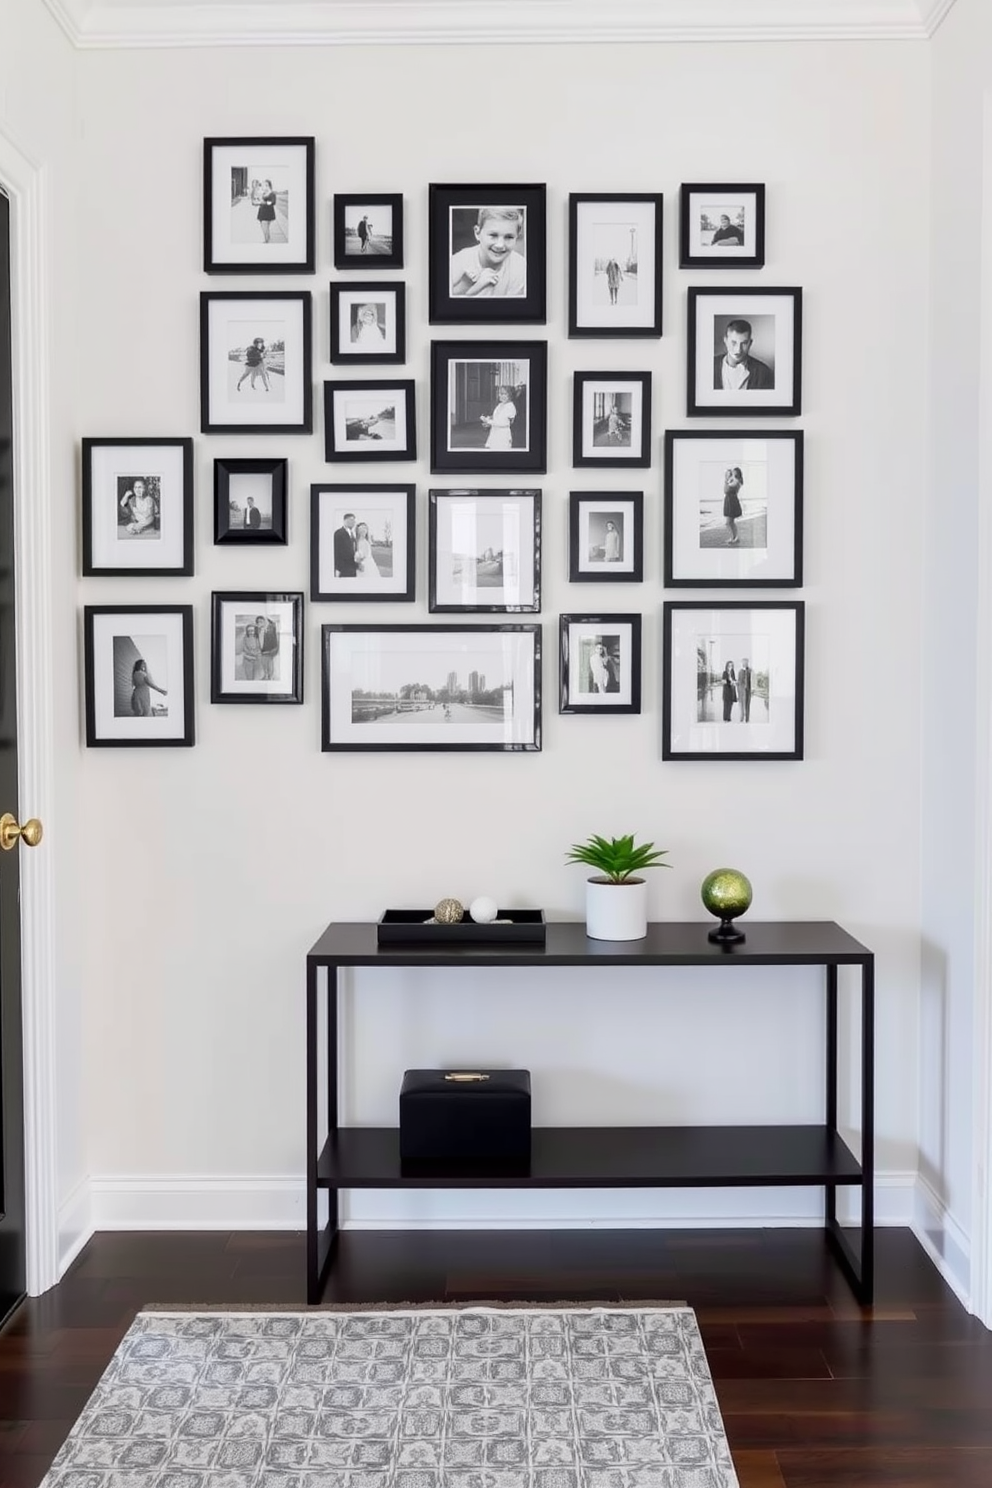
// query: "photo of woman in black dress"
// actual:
[[266, 209], [733, 480]]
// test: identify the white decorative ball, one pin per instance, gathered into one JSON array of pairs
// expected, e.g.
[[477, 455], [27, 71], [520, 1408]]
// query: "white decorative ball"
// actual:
[[483, 910]]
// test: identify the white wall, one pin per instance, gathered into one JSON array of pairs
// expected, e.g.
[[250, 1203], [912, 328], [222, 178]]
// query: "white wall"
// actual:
[[208, 873]]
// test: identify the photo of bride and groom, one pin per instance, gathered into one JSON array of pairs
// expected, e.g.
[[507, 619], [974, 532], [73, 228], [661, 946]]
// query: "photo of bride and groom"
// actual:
[[357, 555]]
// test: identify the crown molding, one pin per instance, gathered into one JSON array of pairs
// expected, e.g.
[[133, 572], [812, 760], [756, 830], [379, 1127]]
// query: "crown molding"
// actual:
[[175, 23]]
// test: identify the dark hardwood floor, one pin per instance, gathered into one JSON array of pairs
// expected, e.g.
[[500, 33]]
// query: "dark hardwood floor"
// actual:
[[815, 1391]]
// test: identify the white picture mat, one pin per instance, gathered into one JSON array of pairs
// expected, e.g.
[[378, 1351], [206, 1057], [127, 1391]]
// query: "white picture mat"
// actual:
[[347, 404], [224, 320], [107, 462], [281, 611], [612, 451], [467, 525], [140, 623], [715, 205], [772, 632], [347, 299], [291, 162], [384, 661], [744, 305], [332, 507], [622, 215], [579, 631], [769, 469], [602, 505]]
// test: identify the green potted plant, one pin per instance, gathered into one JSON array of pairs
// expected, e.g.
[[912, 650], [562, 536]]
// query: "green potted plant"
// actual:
[[617, 895]]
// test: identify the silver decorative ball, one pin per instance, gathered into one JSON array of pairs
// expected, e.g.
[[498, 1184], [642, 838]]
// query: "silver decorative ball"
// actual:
[[483, 910], [449, 911]]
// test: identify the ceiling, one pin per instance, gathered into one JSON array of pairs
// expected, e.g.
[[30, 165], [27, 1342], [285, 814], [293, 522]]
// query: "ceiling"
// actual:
[[158, 23]]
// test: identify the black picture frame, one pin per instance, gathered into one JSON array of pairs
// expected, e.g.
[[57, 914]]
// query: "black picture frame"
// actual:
[[738, 212], [391, 511], [266, 684], [704, 712], [232, 192], [769, 550], [775, 319], [347, 302], [491, 580], [227, 318], [349, 208], [600, 399], [600, 303], [114, 717], [354, 424], [599, 663], [137, 507], [494, 705], [268, 481], [595, 555], [454, 225], [458, 433]]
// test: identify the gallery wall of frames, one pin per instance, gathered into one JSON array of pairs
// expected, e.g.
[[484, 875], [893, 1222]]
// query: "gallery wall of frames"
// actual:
[[477, 676]]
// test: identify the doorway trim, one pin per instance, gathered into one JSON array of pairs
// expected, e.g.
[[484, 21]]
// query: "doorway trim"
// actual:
[[24, 182]]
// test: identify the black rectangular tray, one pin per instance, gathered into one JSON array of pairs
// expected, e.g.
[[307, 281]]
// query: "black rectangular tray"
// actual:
[[407, 927]]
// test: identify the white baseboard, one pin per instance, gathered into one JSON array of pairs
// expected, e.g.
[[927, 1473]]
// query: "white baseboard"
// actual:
[[943, 1239], [185, 1203], [75, 1222]]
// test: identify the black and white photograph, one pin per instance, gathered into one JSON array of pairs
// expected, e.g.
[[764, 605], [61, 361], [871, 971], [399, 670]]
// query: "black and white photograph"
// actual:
[[368, 231], [599, 664], [733, 508], [745, 352], [137, 507], [611, 419], [733, 680], [255, 363], [368, 323], [487, 254], [250, 500], [256, 648], [370, 420], [362, 542], [138, 675], [488, 406], [606, 537], [722, 227], [258, 206], [615, 265], [484, 551], [431, 687]]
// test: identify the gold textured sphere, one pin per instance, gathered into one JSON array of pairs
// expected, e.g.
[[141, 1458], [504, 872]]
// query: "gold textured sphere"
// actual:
[[726, 893], [449, 911]]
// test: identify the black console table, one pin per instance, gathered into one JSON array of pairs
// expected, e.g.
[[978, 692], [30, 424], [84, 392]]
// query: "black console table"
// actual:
[[341, 1157]]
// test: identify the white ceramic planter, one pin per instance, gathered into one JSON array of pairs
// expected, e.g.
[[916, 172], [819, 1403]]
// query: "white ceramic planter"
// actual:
[[616, 911]]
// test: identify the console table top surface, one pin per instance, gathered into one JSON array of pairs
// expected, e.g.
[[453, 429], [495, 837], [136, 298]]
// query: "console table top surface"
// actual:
[[667, 943]]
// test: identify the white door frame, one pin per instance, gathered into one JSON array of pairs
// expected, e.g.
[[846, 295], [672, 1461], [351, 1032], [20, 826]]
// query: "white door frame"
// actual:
[[25, 184]]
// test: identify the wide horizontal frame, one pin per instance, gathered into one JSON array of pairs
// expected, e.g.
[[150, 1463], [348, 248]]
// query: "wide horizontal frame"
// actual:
[[437, 498], [224, 468], [183, 570], [733, 260], [288, 142], [403, 385], [674, 436], [576, 501], [444, 308], [639, 461], [304, 298], [409, 493], [565, 662], [533, 461], [745, 409], [654, 329], [348, 261], [188, 736], [254, 599], [370, 288]]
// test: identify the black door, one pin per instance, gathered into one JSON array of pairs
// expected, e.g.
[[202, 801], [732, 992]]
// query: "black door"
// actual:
[[12, 1248]]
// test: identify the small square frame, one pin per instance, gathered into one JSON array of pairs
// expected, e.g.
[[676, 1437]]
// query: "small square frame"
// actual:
[[231, 326], [775, 318], [264, 483], [354, 426], [111, 650], [740, 244], [704, 712], [599, 664], [606, 537], [604, 296], [611, 420], [270, 681], [453, 228], [379, 342], [235, 206], [382, 251], [391, 514], [154, 537], [500, 570], [465, 380]]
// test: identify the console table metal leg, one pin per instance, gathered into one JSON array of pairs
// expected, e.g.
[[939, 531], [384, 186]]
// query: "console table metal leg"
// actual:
[[859, 1267], [830, 1195], [321, 1237]]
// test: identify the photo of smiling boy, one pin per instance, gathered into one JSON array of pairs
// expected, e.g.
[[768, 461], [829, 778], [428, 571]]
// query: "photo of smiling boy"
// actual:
[[492, 265]]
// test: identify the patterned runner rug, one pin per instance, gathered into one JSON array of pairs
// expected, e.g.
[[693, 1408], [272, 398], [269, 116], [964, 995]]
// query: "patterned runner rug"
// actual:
[[473, 1397]]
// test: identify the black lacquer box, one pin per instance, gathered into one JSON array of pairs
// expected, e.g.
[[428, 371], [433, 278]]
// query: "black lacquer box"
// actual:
[[466, 1118]]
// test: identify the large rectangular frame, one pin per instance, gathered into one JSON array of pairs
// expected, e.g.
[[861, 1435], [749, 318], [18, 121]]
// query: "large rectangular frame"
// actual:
[[328, 580], [777, 352], [109, 694], [510, 519], [294, 158], [167, 462], [588, 319], [503, 356], [218, 401], [446, 308]]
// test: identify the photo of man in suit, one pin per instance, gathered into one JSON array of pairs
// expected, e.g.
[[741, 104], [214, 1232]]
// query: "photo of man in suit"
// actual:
[[735, 370], [345, 566], [253, 517], [745, 686]]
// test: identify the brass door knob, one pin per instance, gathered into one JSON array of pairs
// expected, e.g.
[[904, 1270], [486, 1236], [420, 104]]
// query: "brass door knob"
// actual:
[[31, 832]]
